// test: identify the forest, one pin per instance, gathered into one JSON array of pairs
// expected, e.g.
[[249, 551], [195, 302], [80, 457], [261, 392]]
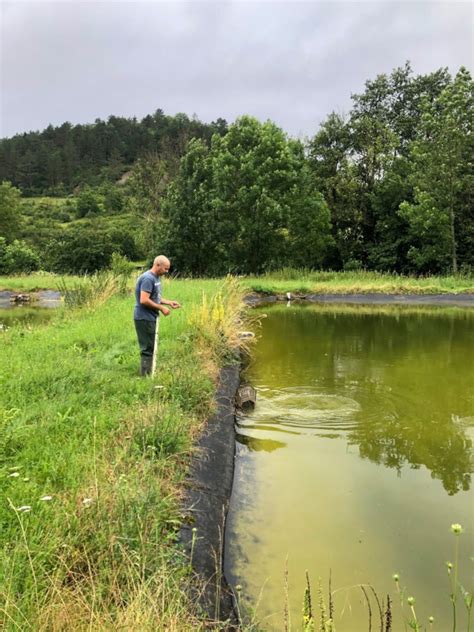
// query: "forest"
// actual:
[[387, 187]]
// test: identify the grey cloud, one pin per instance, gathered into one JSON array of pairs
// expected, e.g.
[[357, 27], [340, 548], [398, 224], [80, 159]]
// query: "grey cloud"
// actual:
[[289, 61]]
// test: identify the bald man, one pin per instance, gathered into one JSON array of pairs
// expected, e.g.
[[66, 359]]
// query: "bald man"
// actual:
[[148, 305]]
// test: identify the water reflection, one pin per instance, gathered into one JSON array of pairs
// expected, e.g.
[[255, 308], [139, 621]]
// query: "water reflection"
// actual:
[[398, 383], [24, 316], [362, 435], [39, 310], [256, 444], [416, 441]]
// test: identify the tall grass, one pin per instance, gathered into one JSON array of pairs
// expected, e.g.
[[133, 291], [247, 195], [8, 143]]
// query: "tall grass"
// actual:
[[92, 459], [96, 289], [218, 322]]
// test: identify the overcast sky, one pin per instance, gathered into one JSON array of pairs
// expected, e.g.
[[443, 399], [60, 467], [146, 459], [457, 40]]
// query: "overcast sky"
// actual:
[[292, 62]]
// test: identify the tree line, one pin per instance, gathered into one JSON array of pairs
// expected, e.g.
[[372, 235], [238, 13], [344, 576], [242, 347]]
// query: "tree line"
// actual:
[[58, 159], [387, 187]]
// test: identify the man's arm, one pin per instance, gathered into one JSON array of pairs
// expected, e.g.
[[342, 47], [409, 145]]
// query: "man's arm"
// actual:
[[173, 304], [146, 301]]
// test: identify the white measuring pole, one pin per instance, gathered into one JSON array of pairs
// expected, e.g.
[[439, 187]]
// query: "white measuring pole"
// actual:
[[155, 348]]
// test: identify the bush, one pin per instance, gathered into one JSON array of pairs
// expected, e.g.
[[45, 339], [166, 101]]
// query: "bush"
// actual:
[[114, 200], [353, 265], [88, 203], [17, 257], [124, 243], [80, 250], [9, 210], [121, 268]]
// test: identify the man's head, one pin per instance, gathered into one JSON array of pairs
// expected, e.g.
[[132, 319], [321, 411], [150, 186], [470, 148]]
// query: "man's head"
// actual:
[[161, 265]]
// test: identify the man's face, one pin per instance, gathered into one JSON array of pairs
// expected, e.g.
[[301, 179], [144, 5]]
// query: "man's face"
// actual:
[[163, 268]]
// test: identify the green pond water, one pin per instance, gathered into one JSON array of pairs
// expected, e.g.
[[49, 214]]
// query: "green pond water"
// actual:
[[40, 310], [24, 316], [355, 462]]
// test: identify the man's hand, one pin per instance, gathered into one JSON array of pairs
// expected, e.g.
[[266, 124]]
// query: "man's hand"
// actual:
[[164, 310], [174, 304]]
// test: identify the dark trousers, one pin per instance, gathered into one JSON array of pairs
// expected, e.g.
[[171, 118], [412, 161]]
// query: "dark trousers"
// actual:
[[146, 341]]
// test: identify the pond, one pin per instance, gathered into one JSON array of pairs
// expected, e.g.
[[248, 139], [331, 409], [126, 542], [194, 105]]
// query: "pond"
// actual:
[[355, 462], [38, 310]]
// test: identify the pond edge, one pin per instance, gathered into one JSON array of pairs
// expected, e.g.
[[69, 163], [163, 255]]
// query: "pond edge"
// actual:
[[457, 300], [206, 501]]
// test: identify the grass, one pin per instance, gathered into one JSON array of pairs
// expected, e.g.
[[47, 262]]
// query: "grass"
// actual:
[[299, 281], [92, 459], [364, 282], [32, 282]]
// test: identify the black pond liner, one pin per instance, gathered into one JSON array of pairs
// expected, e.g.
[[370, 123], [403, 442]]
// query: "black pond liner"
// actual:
[[206, 502]]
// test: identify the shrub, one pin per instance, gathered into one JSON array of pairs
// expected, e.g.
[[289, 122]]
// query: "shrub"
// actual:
[[124, 243], [353, 265], [121, 268], [9, 210], [80, 250], [88, 203], [114, 200], [17, 257]]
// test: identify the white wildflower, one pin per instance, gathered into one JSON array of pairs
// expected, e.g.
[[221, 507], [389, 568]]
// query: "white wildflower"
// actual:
[[14, 475], [46, 498], [24, 508], [87, 502]]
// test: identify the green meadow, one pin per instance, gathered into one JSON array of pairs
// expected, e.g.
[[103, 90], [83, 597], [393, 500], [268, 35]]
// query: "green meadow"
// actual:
[[92, 458], [294, 280], [361, 281], [31, 282]]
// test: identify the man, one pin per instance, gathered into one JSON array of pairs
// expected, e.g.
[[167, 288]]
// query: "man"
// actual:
[[149, 303]]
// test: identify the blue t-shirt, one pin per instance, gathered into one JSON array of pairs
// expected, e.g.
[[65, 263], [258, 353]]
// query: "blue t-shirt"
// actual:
[[151, 284]]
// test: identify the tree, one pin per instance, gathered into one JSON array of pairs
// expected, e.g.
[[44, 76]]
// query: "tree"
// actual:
[[395, 101], [309, 224], [336, 178], [114, 199], [39, 162], [441, 216], [391, 241], [147, 184], [254, 170], [188, 224], [9, 211], [240, 205], [361, 165]]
